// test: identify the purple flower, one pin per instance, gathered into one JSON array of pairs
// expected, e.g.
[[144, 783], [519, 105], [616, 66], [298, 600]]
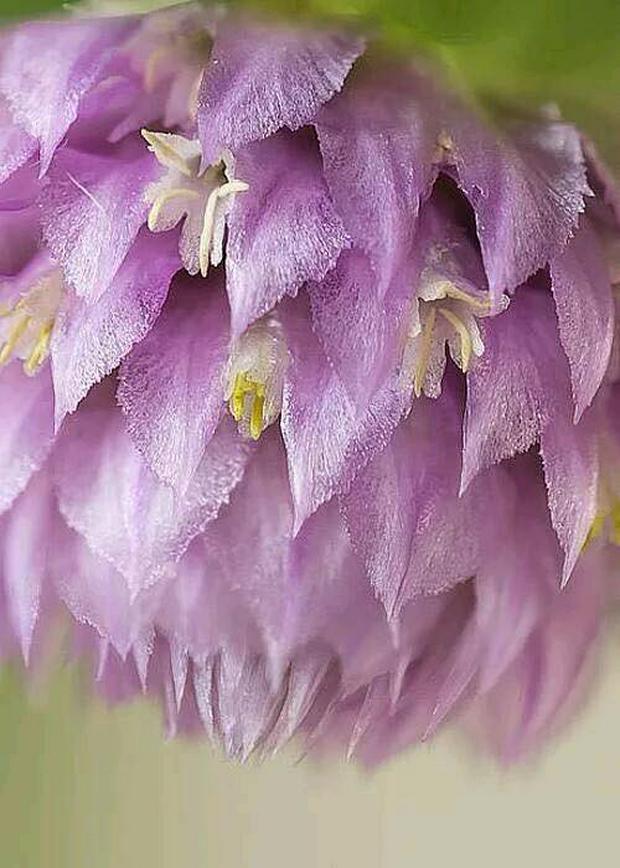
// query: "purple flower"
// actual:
[[307, 386]]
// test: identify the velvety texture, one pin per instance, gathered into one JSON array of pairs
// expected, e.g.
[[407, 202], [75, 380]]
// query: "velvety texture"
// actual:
[[308, 389]]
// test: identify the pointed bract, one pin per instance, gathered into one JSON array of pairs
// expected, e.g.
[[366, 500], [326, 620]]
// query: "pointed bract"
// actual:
[[308, 385]]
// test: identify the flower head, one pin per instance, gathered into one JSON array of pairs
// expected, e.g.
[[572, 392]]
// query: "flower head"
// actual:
[[308, 397]]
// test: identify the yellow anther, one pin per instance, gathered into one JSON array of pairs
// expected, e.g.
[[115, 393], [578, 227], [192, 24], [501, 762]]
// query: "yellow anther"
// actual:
[[39, 352], [248, 400], [463, 332], [13, 338], [426, 344], [606, 523], [596, 529], [237, 399], [26, 327], [254, 379], [256, 417], [11, 310]]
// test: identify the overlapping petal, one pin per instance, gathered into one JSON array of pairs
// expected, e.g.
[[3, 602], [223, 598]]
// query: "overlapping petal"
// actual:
[[92, 208], [585, 308], [16, 145], [334, 488], [415, 535], [27, 429], [327, 440], [518, 396], [262, 78], [172, 384], [285, 233], [527, 190], [90, 340], [48, 66], [112, 498], [378, 143]]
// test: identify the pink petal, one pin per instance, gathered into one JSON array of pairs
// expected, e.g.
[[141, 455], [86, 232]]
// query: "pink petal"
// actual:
[[171, 385]]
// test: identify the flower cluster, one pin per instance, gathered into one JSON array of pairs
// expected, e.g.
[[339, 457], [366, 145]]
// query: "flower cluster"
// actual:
[[308, 388]]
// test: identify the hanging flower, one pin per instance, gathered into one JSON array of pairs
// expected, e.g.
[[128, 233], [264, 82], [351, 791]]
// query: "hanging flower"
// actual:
[[308, 395]]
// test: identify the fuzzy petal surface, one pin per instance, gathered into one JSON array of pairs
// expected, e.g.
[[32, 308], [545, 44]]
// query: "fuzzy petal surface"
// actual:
[[518, 396], [92, 209], [284, 232], [172, 384], [90, 340], [48, 66], [585, 308], [27, 429], [127, 517], [527, 191], [263, 78]]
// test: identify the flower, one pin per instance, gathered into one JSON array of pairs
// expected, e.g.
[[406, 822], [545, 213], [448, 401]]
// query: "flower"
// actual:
[[308, 384], [202, 197]]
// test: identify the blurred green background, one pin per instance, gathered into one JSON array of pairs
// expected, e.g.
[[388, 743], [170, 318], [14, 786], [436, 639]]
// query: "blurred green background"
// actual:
[[530, 51], [83, 786]]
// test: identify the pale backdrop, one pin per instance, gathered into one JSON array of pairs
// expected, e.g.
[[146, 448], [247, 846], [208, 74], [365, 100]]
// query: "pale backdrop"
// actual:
[[82, 786]]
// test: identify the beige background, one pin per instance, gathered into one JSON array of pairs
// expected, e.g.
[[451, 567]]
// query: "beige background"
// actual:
[[82, 786]]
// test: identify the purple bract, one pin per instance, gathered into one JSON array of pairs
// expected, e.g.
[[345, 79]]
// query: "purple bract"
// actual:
[[308, 388]]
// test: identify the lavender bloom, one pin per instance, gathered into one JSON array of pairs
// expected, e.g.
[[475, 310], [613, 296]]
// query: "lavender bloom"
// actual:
[[308, 387]]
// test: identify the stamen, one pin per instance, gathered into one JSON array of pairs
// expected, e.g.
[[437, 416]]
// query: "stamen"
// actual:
[[208, 226], [175, 54], [438, 293], [13, 338], [444, 148], [255, 377], [606, 523], [257, 418], [165, 197], [27, 335], [162, 145], [452, 291], [192, 97], [461, 329], [248, 399], [596, 529], [425, 353], [204, 198], [40, 350], [152, 65]]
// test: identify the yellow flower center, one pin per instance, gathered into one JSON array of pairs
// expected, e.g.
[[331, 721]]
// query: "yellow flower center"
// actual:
[[444, 313], [255, 377], [247, 402], [26, 326]]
